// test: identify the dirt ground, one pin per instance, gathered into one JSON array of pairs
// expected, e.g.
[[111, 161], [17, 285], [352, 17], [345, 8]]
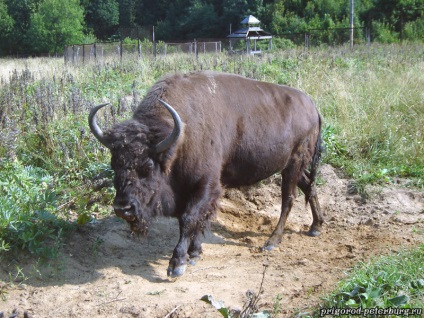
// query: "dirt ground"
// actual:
[[104, 272]]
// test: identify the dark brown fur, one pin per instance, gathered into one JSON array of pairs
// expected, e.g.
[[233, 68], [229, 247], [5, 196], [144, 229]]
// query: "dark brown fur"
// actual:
[[236, 132]]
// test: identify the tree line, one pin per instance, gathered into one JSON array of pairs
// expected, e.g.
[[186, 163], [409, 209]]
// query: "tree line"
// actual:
[[45, 26]]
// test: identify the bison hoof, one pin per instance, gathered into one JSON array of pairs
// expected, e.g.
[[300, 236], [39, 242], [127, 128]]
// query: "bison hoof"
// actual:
[[193, 260], [313, 232], [268, 247], [176, 272]]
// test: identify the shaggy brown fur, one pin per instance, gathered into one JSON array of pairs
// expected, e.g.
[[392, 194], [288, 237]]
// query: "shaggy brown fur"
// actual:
[[236, 132]]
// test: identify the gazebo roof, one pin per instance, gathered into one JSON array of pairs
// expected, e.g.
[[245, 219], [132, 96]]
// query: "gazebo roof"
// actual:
[[250, 32], [250, 20]]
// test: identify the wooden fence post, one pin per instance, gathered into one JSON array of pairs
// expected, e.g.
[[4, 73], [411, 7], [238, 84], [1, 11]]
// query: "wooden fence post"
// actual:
[[154, 43], [121, 48]]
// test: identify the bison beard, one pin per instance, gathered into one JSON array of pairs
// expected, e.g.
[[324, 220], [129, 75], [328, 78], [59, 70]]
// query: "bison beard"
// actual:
[[221, 129]]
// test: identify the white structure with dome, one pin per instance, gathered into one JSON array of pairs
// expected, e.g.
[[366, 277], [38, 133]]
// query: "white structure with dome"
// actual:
[[252, 31]]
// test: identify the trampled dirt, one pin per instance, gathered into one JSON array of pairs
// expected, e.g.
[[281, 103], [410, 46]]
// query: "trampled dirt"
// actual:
[[104, 272]]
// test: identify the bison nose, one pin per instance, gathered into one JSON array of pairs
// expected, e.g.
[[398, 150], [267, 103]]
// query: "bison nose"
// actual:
[[125, 212]]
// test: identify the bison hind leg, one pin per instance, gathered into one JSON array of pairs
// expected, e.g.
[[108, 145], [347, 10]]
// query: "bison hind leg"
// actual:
[[195, 248], [289, 175], [308, 188]]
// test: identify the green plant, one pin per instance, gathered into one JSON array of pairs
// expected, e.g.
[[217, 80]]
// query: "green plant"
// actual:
[[18, 278], [250, 308], [333, 146], [26, 210], [156, 293], [277, 307], [95, 246], [218, 305], [389, 281]]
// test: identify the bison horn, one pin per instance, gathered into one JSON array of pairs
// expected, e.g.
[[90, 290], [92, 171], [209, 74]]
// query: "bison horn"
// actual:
[[173, 137], [95, 129]]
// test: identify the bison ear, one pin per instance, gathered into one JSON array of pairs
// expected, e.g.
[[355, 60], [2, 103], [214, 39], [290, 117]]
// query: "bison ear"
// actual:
[[165, 160]]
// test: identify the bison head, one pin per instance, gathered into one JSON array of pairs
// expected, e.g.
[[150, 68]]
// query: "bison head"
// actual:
[[142, 188]]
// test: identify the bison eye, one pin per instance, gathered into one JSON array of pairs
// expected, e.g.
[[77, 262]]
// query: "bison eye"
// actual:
[[146, 168]]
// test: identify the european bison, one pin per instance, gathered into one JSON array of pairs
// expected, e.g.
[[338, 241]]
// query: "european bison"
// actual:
[[221, 130]]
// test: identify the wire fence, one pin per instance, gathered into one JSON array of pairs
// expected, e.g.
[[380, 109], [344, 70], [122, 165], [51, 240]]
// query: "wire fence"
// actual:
[[99, 52]]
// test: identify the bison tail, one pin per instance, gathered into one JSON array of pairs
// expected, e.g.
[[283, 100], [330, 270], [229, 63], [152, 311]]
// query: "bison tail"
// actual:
[[317, 155], [313, 168]]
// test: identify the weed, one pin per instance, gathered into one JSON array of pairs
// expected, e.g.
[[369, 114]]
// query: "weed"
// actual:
[[17, 279], [156, 293], [3, 291], [218, 305], [277, 306], [389, 281], [419, 231], [26, 189], [250, 308], [96, 245]]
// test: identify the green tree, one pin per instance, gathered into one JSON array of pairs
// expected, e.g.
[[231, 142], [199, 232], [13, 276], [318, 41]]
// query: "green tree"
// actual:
[[388, 18], [127, 13], [20, 11], [169, 28], [102, 17], [200, 20], [6, 28], [56, 24], [149, 12], [284, 18]]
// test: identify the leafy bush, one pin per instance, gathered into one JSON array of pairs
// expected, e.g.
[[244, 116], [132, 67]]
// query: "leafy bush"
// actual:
[[413, 30], [384, 33], [27, 207], [282, 44], [128, 40]]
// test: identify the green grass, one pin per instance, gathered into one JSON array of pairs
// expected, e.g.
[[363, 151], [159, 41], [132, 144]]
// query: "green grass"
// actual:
[[394, 281]]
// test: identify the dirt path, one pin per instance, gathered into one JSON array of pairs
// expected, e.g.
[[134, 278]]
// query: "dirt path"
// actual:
[[105, 273]]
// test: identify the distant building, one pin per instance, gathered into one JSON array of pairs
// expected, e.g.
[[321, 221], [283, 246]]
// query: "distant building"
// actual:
[[251, 33]]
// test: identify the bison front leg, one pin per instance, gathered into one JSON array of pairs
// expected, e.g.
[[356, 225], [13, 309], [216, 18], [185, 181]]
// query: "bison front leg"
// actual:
[[192, 224], [189, 246], [180, 257]]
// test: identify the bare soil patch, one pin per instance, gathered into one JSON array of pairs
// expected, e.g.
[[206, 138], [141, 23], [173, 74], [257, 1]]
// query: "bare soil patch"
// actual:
[[104, 272]]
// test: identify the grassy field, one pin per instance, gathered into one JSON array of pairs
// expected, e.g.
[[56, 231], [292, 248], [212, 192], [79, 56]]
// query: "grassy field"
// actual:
[[371, 100]]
